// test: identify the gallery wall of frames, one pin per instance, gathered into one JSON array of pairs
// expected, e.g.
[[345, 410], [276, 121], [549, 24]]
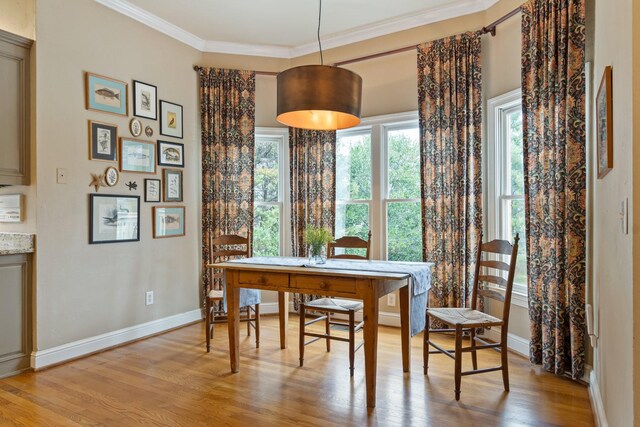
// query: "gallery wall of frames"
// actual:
[[139, 162]]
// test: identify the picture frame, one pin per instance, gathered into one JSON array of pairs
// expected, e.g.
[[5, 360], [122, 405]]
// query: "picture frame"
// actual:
[[171, 119], [113, 218], [106, 94], [171, 185], [137, 156], [103, 141], [135, 127], [11, 208], [152, 190], [145, 100], [604, 124], [170, 154], [111, 176], [168, 221]]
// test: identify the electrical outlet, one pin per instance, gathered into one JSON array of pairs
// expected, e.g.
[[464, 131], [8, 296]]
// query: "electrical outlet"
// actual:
[[149, 298], [391, 300], [61, 176]]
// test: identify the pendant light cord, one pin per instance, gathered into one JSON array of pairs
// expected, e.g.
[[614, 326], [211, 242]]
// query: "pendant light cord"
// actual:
[[320, 44]]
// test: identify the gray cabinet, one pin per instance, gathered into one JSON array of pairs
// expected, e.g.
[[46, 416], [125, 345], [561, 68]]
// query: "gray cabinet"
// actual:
[[15, 313], [14, 109]]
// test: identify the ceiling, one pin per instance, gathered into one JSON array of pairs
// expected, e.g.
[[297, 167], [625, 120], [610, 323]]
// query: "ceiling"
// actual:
[[286, 28]]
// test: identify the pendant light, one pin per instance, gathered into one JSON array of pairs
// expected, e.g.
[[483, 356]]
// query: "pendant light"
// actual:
[[319, 97]]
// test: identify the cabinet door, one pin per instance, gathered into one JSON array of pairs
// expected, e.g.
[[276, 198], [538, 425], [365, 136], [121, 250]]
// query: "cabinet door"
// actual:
[[14, 110], [15, 324]]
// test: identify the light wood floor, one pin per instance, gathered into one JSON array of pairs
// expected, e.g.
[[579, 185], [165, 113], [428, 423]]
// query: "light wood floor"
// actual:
[[170, 380]]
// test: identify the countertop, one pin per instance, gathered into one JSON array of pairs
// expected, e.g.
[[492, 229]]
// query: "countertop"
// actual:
[[17, 243]]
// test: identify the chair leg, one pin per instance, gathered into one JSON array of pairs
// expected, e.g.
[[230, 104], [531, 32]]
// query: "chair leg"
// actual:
[[327, 330], [301, 334], [474, 354], [505, 363], [257, 324], [249, 321], [425, 346], [207, 319], [458, 365], [352, 340]]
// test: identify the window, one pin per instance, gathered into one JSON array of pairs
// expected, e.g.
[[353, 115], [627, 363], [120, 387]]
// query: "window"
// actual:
[[506, 178], [269, 225], [378, 186]]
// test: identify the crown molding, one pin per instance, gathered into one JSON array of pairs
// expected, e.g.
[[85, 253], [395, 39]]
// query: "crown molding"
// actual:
[[458, 8]]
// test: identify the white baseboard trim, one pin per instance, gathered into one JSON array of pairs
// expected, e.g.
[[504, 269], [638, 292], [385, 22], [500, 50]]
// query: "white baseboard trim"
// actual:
[[514, 342], [272, 308], [73, 350], [596, 401]]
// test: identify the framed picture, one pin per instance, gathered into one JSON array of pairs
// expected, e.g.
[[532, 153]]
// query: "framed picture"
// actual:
[[152, 189], [170, 119], [111, 176], [168, 221], [137, 156], [170, 154], [172, 185], [604, 124], [114, 218], [135, 126], [11, 207], [103, 141], [106, 94], [145, 100]]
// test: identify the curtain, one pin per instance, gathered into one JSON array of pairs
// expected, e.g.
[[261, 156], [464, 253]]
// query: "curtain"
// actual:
[[312, 156], [553, 106], [450, 110], [227, 110]]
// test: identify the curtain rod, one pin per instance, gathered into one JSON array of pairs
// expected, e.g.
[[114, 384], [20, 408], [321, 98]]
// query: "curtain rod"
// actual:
[[489, 29]]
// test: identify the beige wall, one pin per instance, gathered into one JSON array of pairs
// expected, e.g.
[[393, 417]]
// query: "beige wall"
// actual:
[[18, 17], [85, 290], [612, 250]]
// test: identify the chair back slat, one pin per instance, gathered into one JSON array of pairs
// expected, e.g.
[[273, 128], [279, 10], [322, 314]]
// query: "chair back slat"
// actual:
[[349, 242], [229, 239], [493, 293], [498, 247], [496, 280], [498, 265], [224, 248], [229, 253]]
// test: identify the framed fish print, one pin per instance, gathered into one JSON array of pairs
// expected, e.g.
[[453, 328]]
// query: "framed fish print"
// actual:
[[145, 100], [106, 94], [103, 141], [170, 119], [172, 185], [137, 156], [170, 154], [168, 221], [152, 190], [604, 124], [114, 218]]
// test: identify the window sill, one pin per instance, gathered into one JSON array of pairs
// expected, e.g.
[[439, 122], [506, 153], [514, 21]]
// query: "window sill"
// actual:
[[520, 299]]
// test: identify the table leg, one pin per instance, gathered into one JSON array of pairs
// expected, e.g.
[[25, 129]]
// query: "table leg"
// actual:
[[371, 308], [283, 307], [405, 328], [233, 321]]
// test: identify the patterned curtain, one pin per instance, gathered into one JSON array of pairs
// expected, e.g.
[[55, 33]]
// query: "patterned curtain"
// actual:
[[450, 109], [227, 110], [313, 190], [553, 96]]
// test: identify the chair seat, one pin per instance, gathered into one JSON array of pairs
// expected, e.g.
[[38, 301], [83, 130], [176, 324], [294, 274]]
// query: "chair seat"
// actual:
[[335, 304], [463, 316], [216, 294]]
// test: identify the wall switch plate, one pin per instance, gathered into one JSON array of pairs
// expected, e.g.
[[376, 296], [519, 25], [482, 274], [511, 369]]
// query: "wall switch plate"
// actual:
[[624, 216], [61, 176], [149, 298], [391, 300]]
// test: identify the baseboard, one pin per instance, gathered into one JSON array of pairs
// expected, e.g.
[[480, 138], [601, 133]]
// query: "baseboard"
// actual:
[[596, 401], [514, 342], [73, 350], [272, 308]]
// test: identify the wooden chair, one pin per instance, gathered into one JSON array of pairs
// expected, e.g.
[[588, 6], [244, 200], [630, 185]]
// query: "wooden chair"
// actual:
[[330, 306], [469, 319], [223, 248]]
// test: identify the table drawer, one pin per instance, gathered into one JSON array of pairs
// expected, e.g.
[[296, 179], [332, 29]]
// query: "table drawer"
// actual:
[[324, 283], [263, 279]]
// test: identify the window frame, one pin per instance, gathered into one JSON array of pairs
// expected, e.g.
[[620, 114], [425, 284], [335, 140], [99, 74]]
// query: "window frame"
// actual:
[[498, 175], [283, 185]]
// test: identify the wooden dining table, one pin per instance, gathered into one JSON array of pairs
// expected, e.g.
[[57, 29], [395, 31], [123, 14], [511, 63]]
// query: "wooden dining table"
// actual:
[[368, 286]]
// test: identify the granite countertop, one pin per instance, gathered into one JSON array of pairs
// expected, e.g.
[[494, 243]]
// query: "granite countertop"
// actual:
[[17, 243]]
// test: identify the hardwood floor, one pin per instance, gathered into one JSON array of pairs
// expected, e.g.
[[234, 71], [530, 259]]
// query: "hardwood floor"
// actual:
[[170, 380]]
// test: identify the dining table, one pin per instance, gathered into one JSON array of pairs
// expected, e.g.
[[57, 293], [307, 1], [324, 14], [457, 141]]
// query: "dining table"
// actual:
[[367, 281]]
